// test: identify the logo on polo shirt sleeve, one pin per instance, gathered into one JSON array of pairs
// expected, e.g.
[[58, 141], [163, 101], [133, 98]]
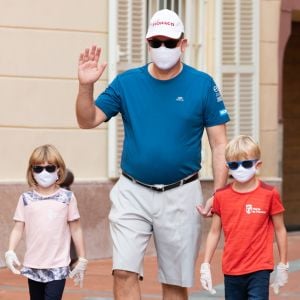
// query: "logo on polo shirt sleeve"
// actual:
[[218, 94], [223, 112]]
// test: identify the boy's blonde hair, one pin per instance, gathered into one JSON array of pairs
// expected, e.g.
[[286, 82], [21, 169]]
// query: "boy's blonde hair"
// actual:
[[242, 147], [45, 153]]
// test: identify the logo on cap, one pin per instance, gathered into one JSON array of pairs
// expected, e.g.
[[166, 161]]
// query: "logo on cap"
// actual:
[[157, 23], [165, 22]]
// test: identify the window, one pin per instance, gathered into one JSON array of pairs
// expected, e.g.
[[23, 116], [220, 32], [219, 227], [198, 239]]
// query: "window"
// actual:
[[127, 49], [127, 31], [131, 19], [237, 64], [175, 5]]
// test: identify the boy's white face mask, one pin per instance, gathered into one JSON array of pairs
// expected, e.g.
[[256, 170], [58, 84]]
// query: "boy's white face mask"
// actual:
[[165, 58], [242, 174]]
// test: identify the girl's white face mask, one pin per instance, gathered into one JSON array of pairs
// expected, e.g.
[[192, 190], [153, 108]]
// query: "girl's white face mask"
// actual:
[[165, 58], [242, 174], [45, 179]]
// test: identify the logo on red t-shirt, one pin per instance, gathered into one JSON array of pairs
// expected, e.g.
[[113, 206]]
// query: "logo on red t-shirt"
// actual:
[[254, 210]]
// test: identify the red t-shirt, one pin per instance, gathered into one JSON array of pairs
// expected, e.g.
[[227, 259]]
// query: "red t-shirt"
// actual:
[[248, 228]]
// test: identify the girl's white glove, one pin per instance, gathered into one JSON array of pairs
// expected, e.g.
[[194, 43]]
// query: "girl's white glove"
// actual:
[[281, 277], [11, 260], [205, 278], [78, 272]]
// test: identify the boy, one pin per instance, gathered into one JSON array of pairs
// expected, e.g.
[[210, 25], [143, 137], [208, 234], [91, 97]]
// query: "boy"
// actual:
[[249, 211]]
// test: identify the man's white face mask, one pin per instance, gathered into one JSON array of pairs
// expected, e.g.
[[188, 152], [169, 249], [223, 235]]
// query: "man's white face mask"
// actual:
[[165, 58]]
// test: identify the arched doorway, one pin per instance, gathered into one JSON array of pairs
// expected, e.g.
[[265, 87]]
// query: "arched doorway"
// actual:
[[291, 127]]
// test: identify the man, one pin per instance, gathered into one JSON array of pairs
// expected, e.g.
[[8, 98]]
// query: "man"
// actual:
[[165, 106]]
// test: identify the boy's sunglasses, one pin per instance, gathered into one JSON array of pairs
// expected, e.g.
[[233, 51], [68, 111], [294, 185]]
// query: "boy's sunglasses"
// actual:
[[247, 164], [168, 43], [48, 168]]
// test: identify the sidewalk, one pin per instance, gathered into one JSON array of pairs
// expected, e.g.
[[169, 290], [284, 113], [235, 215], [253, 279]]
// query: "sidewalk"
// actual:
[[98, 280]]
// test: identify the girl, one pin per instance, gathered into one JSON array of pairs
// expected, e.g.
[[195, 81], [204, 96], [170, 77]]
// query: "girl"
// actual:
[[50, 216]]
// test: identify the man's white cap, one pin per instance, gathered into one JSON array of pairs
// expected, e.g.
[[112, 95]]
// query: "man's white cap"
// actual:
[[166, 23]]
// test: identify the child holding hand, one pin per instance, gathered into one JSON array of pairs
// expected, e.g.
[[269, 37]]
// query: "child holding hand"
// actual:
[[49, 216], [249, 211]]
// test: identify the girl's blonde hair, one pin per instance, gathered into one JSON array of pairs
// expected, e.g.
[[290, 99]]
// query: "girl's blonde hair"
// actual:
[[46, 153], [242, 147]]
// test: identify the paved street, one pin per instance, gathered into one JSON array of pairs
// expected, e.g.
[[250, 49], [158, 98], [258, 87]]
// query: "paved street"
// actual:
[[98, 282]]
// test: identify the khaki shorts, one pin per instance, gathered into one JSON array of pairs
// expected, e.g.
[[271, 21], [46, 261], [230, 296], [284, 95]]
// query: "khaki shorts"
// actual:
[[171, 216]]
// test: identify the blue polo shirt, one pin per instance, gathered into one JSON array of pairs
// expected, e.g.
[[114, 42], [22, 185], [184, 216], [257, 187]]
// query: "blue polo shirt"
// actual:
[[163, 121]]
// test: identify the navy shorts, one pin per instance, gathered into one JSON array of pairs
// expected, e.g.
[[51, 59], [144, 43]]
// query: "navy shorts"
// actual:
[[252, 286]]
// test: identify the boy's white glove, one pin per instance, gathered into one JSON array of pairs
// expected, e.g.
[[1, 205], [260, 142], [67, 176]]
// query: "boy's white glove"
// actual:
[[11, 260], [205, 278], [78, 272], [281, 277]]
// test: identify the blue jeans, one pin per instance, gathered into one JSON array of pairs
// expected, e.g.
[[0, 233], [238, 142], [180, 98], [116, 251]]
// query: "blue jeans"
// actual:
[[52, 290], [252, 286]]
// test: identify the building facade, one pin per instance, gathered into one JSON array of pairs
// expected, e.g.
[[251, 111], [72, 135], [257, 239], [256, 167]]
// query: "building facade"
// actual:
[[250, 47]]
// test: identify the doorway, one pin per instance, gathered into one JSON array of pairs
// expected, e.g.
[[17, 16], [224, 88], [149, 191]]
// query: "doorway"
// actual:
[[291, 129]]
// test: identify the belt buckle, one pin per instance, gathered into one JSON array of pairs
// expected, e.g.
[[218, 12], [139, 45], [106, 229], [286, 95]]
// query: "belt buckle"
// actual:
[[158, 187]]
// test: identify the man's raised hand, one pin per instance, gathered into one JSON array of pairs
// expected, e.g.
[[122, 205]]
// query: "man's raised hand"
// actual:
[[89, 70]]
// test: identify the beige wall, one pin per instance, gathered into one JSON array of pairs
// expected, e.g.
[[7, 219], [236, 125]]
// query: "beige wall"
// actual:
[[38, 68], [269, 75], [40, 45]]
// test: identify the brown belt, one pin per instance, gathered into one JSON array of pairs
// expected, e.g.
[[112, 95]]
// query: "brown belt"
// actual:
[[162, 187]]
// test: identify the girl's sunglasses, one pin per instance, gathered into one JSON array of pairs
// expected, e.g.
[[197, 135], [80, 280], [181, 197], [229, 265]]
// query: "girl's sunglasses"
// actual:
[[48, 168], [168, 43], [247, 164]]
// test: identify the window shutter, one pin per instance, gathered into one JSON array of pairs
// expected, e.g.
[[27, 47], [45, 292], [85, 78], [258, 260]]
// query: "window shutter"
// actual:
[[237, 57], [131, 34], [131, 18], [130, 24]]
